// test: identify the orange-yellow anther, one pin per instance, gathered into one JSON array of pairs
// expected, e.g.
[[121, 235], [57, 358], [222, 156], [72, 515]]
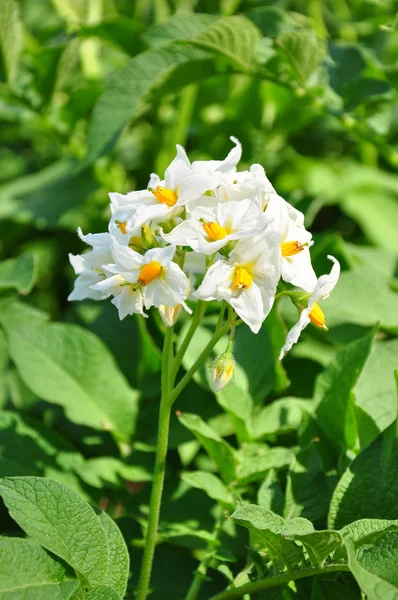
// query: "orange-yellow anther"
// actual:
[[122, 226], [164, 195], [242, 279], [317, 317], [149, 272], [214, 231], [291, 248]]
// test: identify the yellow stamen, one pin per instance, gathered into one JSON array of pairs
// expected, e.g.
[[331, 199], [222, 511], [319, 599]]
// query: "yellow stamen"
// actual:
[[317, 317], [122, 226], [149, 272], [242, 279], [214, 230], [164, 195], [291, 248]]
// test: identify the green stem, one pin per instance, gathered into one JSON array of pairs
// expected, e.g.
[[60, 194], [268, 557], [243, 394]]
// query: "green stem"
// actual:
[[263, 584], [198, 316], [284, 293], [160, 466], [201, 571]]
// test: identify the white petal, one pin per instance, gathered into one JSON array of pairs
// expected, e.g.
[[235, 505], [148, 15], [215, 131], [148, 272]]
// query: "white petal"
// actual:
[[325, 283], [194, 185], [83, 288], [295, 332], [248, 303], [78, 263], [219, 274], [164, 256], [110, 285], [182, 234], [177, 170], [146, 213], [125, 258], [129, 302], [298, 270], [222, 166]]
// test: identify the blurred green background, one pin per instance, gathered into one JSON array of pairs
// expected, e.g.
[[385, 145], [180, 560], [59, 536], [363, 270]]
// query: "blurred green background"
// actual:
[[94, 95]]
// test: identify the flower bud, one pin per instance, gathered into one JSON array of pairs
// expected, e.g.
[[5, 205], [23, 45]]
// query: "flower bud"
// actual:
[[222, 370], [170, 314]]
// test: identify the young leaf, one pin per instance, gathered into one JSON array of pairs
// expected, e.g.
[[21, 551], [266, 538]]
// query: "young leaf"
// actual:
[[10, 38], [369, 486], [118, 556], [220, 451], [67, 365], [233, 37], [304, 50], [18, 273], [333, 392], [178, 27], [211, 484], [60, 521], [24, 564]]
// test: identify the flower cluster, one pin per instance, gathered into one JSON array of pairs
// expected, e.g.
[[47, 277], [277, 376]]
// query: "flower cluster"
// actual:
[[208, 232]]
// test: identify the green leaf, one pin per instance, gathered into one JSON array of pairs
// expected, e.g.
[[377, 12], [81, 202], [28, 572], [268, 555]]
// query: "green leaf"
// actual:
[[307, 490], [108, 471], [18, 273], [381, 559], [220, 451], [210, 484], [279, 417], [304, 50], [333, 392], [24, 564], [368, 488], [238, 404], [131, 84], [65, 590], [272, 20], [233, 37], [118, 556], [368, 530], [178, 27], [102, 593], [253, 465], [375, 392], [377, 304], [257, 356], [270, 494], [374, 586], [60, 521], [10, 38], [3, 369], [267, 527], [67, 365], [320, 544]]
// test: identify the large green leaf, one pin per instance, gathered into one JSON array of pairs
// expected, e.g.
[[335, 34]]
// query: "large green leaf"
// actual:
[[131, 84], [362, 297], [369, 487], [220, 451], [24, 564], [67, 365], [60, 521], [375, 392], [10, 38], [66, 590], [333, 392], [373, 584], [118, 556], [18, 273]]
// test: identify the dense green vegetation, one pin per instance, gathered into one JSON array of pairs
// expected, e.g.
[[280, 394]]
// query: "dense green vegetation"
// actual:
[[283, 483]]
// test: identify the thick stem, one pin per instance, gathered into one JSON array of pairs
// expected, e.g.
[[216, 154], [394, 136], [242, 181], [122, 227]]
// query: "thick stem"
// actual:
[[160, 466], [263, 584]]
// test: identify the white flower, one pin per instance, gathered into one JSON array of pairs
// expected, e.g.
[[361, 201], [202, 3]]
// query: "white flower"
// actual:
[[146, 280], [296, 267], [88, 266], [313, 312], [228, 165], [170, 314], [247, 281], [253, 184], [207, 230]]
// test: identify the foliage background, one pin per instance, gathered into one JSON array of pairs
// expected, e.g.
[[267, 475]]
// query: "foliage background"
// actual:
[[94, 96]]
